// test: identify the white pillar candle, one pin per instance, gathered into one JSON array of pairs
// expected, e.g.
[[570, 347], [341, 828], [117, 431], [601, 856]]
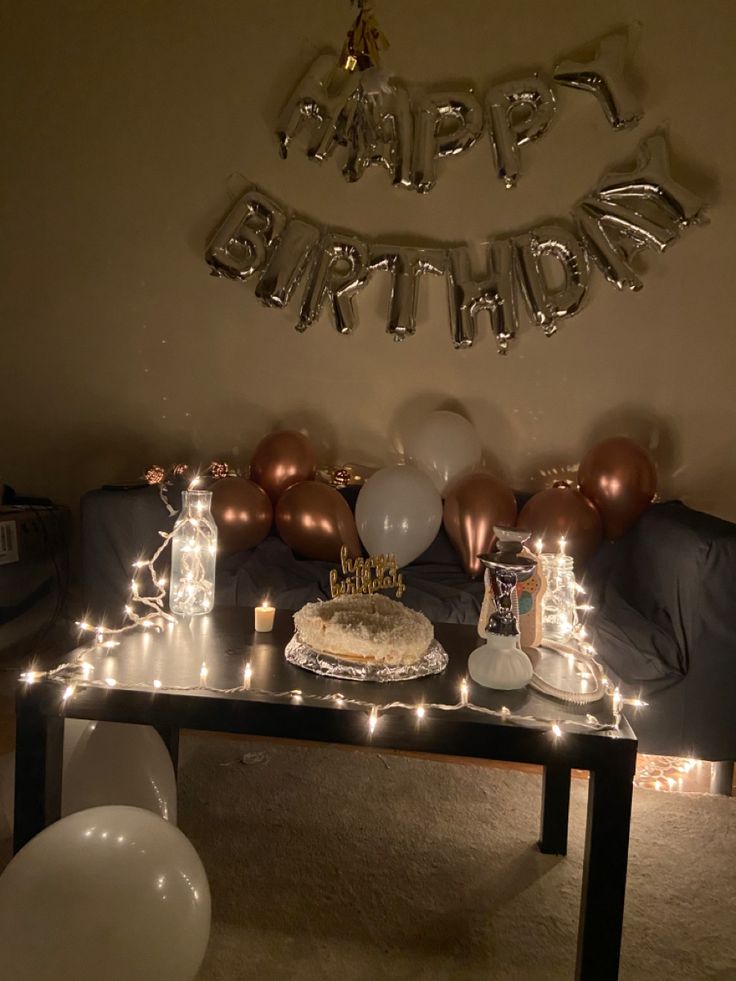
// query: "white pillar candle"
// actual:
[[264, 617]]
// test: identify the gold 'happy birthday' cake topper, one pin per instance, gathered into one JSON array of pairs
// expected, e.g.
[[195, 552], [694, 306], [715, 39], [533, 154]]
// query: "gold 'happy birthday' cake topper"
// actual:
[[366, 575]]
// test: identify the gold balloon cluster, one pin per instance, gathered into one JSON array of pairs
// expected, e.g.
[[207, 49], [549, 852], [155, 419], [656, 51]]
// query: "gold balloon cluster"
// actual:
[[282, 484], [616, 481]]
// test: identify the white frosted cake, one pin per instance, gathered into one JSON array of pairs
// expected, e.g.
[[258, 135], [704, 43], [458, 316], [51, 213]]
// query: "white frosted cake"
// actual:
[[365, 628]]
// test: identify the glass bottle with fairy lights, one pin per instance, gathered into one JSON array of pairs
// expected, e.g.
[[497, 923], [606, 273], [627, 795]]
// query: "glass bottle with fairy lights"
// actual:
[[559, 616], [193, 556]]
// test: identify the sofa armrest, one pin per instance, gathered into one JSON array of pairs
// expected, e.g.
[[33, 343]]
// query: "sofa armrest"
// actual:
[[119, 525], [663, 592], [665, 625]]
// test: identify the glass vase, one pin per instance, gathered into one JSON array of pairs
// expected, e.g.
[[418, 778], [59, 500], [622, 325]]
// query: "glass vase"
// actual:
[[559, 602], [193, 556]]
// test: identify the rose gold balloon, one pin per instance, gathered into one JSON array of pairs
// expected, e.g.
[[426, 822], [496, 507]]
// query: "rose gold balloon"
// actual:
[[563, 512], [280, 460], [243, 513], [473, 505], [315, 520], [620, 478]]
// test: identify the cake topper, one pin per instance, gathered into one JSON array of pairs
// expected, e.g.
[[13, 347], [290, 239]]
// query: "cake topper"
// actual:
[[366, 575]]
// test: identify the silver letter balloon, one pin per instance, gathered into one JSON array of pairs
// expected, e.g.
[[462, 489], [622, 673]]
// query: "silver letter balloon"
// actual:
[[545, 270]]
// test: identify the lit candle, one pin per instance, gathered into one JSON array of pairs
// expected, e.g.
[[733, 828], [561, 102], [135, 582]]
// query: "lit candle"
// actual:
[[264, 617]]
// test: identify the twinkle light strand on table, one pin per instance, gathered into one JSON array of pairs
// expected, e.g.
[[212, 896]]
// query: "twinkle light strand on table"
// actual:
[[76, 675], [375, 710]]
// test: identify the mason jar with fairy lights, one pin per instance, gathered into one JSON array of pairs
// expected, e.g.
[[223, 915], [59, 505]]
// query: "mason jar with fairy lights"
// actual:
[[193, 556], [559, 603]]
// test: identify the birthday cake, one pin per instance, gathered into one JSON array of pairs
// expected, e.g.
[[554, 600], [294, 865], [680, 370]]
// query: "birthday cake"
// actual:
[[365, 628]]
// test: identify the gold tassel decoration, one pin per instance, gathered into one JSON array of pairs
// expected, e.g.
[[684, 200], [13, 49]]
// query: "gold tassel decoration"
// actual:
[[365, 40]]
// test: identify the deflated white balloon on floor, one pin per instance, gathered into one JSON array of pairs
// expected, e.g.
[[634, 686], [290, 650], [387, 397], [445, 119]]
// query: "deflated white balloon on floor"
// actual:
[[112, 892], [117, 763]]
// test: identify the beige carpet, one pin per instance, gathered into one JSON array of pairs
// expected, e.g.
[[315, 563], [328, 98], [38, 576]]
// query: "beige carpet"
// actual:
[[331, 864]]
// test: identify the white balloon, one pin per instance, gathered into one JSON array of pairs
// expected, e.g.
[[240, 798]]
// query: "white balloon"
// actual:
[[445, 446], [117, 763], [73, 729], [399, 511], [112, 892]]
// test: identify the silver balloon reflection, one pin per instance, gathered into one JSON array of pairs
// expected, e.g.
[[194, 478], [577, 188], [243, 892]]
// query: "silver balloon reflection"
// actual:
[[651, 180], [379, 131], [494, 292], [240, 245], [405, 265], [316, 106], [547, 303], [445, 124], [615, 233], [604, 77], [644, 231], [611, 257], [517, 112], [338, 272], [287, 263]]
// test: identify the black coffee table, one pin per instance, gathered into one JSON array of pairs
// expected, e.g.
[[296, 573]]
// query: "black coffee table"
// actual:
[[285, 701]]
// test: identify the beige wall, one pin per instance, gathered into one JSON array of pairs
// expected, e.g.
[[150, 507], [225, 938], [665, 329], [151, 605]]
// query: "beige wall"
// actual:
[[122, 125]]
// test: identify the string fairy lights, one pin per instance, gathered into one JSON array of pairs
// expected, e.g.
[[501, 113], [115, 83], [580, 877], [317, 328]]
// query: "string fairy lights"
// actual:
[[66, 675], [145, 610], [79, 674]]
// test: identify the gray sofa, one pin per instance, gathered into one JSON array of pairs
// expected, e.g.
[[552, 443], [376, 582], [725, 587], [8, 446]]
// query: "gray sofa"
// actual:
[[664, 620]]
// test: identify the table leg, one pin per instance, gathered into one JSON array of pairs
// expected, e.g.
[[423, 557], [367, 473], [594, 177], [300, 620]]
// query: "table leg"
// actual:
[[555, 810], [170, 736], [604, 872], [39, 754]]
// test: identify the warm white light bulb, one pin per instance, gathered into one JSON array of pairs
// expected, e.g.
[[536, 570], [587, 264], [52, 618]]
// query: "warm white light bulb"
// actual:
[[420, 711], [373, 719], [556, 731], [156, 683]]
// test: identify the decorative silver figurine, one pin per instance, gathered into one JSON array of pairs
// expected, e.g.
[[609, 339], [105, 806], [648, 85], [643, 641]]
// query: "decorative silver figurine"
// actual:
[[501, 663]]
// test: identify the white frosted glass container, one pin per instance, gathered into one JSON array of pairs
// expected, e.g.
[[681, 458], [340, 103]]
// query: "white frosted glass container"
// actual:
[[193, 556], [560, 598]]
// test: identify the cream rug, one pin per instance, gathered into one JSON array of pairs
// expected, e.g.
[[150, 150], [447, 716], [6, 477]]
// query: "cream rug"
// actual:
[[340, 865]]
